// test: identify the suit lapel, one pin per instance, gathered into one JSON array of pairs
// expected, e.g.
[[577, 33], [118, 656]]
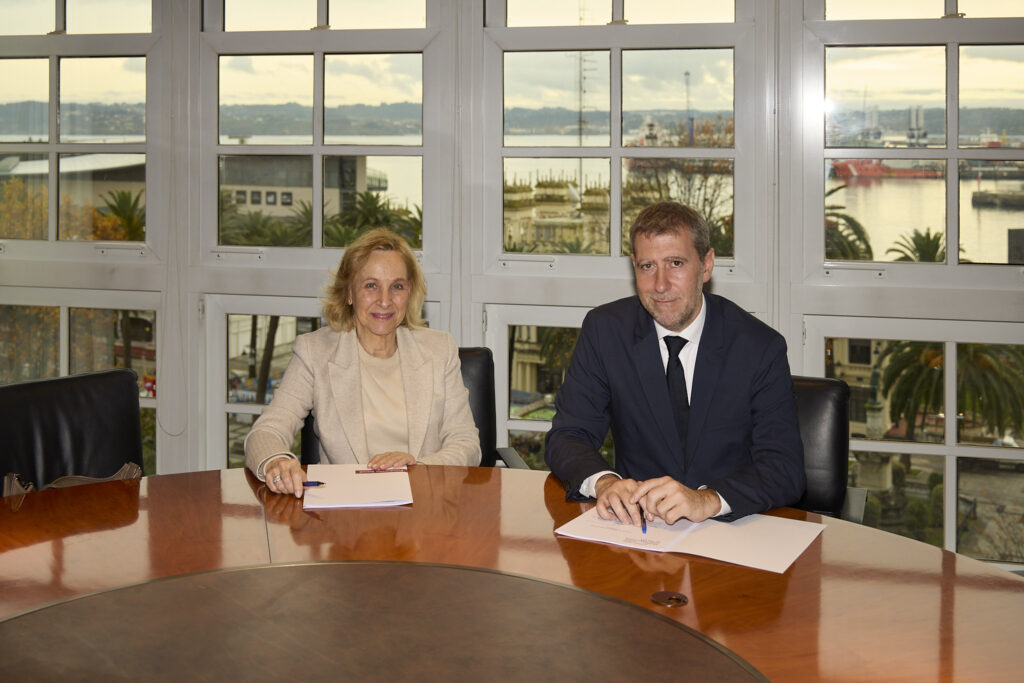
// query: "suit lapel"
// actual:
[[417, 380], [706, 373], [346, 388], [651, 372]]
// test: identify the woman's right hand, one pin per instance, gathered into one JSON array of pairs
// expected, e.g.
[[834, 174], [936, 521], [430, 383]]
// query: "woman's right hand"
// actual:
[[285, 475]]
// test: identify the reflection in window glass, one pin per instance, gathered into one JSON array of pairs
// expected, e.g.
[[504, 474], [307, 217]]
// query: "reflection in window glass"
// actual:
[[31, 17], [540, 358], [557, 206], [546, 13], [662, 12], [28, 343], [706, 185], [991, 8], [239, 425], [557, 99], [108, 16], [530, 447], [362, 192], [991, 211], [259, 348], [102, 197], [990, 509], [23, 196], [992, 96], [281, 225], [885, 210], [990, 394], [269, 15], [898, 396], [885, 96], [147, 423], [24, 98], [884, 9], [904, 493], [677, 98], [357, 14], [103, 339], [373, 99], [266, 99], [103, 99]]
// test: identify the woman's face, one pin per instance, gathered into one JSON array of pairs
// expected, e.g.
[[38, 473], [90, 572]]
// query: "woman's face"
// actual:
[[379, 294]]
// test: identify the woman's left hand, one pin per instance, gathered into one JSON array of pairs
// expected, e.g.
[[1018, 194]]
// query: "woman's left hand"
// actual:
[[390, 460]]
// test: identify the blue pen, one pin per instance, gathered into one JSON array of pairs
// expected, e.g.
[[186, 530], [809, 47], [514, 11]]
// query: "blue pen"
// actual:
[[313, 484], [643, 519]]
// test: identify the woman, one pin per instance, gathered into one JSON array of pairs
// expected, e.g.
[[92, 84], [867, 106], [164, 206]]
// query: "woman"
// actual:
[[383, 389]]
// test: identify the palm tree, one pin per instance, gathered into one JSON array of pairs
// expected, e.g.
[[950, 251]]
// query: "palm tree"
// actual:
[[921, 247], [259, 229], [845, 237], [990, 383], [129, 211]]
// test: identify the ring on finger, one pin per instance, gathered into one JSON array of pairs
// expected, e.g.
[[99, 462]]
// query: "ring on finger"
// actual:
[[277, 479]]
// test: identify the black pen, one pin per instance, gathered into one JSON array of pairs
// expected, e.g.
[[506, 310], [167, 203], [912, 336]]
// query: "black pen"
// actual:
[[643, 518], [313, 484]]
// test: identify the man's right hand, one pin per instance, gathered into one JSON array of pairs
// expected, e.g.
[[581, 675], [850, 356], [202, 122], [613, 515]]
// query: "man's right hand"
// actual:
[[613, 496]]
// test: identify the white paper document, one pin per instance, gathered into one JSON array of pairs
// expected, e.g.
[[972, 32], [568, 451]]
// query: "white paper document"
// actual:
[[758, 541], [355, 486]]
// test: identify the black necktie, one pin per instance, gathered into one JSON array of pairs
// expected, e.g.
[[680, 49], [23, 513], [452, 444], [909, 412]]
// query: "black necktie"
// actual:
[[676, 378]]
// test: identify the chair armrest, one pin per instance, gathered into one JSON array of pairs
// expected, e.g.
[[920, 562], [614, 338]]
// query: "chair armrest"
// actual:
[[853, 506], [511, 458]]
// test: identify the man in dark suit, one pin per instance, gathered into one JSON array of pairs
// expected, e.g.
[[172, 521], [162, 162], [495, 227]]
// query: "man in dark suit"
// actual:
[[706, 431]]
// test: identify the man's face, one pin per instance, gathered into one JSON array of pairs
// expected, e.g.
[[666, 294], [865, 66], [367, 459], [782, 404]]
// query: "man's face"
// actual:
[[670, 277]]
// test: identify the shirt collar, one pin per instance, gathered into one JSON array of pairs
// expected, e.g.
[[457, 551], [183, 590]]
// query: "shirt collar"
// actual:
[[691, 333]]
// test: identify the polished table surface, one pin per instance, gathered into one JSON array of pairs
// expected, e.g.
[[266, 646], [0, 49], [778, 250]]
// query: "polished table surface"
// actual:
[[858, 604]]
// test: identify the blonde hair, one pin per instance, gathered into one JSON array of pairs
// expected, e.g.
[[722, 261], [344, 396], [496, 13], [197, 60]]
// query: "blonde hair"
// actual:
[[339, 312]]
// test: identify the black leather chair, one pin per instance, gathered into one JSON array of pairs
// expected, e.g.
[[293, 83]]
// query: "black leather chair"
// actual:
[[823, 412], [84, 424], [478, 376]]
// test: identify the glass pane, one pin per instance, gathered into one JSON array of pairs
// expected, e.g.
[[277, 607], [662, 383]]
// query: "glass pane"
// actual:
[[102, 197], [24, 100], [704, 184], [885, 96], [239, 425], [147, 422], [108, 16], [266, 99], [992, 96], [103, 99], [244, 217], [529, 446], [990, 394], [349, 14], [884, 9], [259, 349], [904, 493], [23, 196], [556, 99], [540, 357], [677, 98], [269, 15], [991, 8], [363, 192], [661, 12], [546, 13], [28, 343], [885, 210], [990, 509], [557, 206], [373, 99], [28, 17], [102, 339], [896, 390], [992, 211]]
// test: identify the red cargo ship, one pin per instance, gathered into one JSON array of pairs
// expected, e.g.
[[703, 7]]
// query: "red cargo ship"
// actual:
[[874, 168]]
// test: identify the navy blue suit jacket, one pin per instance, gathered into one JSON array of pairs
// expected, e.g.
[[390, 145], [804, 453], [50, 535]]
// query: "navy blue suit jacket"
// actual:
[[744, 440]]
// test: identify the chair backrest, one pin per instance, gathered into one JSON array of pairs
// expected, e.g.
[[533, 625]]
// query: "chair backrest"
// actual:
[[478, 376], [823, 413], [84, 424]]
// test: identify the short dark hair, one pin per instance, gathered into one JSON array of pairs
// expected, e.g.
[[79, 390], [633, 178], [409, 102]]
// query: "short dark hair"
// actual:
[[671, 217], [338, 311]]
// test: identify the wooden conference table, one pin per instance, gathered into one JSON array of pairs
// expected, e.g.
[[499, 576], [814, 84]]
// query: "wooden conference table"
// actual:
[[859, 604]]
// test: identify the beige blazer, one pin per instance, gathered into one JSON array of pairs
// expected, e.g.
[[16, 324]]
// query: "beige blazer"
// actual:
[[323, 377]]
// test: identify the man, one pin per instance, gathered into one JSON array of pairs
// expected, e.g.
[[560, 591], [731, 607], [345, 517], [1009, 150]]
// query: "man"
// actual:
[[726, 445]]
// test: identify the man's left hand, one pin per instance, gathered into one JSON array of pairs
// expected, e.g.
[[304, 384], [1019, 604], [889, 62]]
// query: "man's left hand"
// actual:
[[666, 498]]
